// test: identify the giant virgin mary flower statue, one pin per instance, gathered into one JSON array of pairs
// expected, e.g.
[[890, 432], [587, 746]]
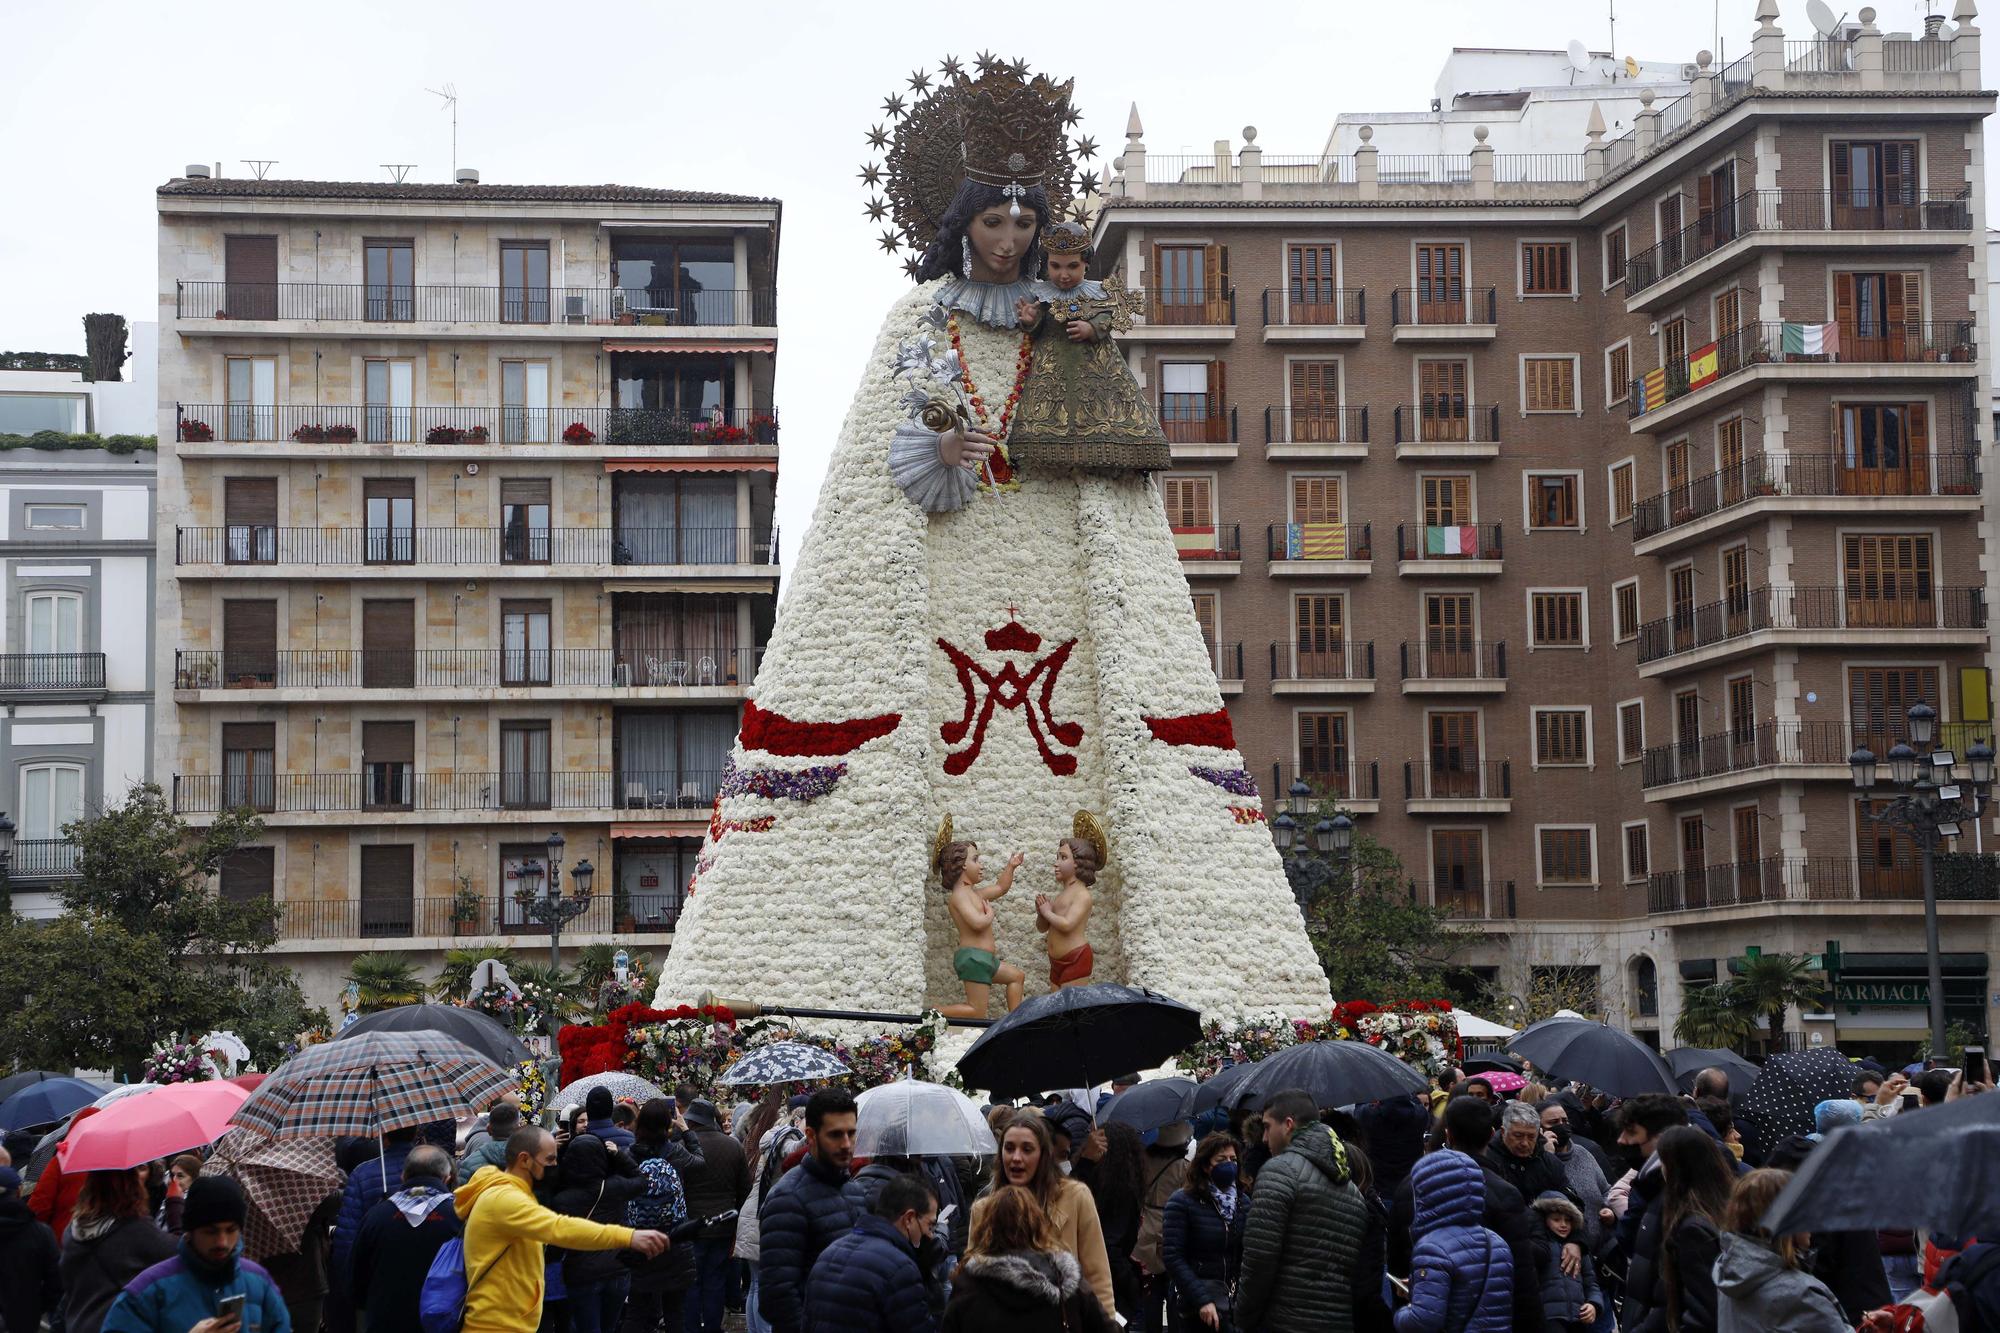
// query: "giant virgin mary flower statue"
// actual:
[[1000, 641]]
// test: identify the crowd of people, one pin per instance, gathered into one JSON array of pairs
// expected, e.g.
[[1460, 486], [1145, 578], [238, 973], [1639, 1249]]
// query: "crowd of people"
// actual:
[[1555, 1209]]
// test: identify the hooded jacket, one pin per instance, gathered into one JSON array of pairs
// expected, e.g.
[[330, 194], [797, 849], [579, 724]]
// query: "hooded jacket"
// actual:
[[1563, 1295], [98, 1258], [176, 1294], [1759, 1293], [505, 1232], [596, 1184], [1028, 1291], [392, 1255], [1079, 1233], [868, 1281], [489, 1151], [1461, 1274], [1302, 1243], [30, 1285]]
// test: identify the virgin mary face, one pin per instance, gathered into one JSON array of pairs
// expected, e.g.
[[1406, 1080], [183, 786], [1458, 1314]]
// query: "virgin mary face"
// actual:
[[999, 240]]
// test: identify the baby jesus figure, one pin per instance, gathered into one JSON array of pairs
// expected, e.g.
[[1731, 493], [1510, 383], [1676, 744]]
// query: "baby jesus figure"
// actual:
[[1080, 408]]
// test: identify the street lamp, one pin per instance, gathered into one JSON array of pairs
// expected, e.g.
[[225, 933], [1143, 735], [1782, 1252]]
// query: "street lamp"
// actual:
[[1330, 837], [7, 831], [552, 908], [1930, 804]]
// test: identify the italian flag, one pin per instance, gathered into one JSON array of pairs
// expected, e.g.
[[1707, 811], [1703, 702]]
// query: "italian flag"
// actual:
[[1460, 539], [1812, 340]]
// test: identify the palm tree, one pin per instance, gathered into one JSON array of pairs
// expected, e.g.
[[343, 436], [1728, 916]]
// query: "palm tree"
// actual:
[[384, 981], [1713, 1017], [1769, 984]]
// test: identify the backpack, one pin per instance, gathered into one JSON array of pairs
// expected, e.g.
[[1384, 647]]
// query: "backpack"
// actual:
[[441, 1303], [1950, 1306]]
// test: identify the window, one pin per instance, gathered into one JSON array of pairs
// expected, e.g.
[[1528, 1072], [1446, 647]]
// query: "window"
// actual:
[[1315, 499], [1625, 610], [1875, 184], [681, 389], [1728, 308], [1621, 492], [1545, 268], [389, 644], [683, 281], [1315, 401], [1458, 872], [1879, 700], [1318, 622], [524, 402], [1450, 649], [1552, 500], [250, 641], [1548, 383], [1631, 731], [1455, 770], [1324, 758], [1191, 284], [389, 271], [1191, 394], [1736, 586], [249, 767], [388, 891], [55, 623], [389, 508], [1440, 284], [1443, 413], [1638, 852], [1206, 611], [524, 522], [1562, 737], [1189, 500], [1566, 857], [51, 796], [1614, 256], [388, 764], [248, 875], [1447, 500], [524, 765], [524, 282], [524, 643], [250, 520], [252, 385], [1884, 448], [1740, 696], [1618, 373], [56, 518], [1674, 349], [1312, 272], [1880, 315], [387, 384], [1888, 580], [250, 269], [1557, 619]]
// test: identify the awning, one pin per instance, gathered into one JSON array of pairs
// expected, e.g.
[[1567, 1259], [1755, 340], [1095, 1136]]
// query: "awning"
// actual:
[[693, 828], [690, 465], [683, 345]]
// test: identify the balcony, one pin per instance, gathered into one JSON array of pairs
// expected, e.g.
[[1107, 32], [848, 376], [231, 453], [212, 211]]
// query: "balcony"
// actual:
[[1355, 785], [1315, 432], [1667, 397], [1315, 314], [1188, 314], [1320, 550], [397, 793], [1787, 616], [1210, 549], [1227, 659], [1470, 315], [1344, 668], [663, 314], [1767, 752], [311, 919], [253, 551], [1458, 786], [1197, 428], [456, 673], [1795, 219], [1454, 666], [1451, 550], [1776, 880], [44, 675], [306, 430], [1486, 900], [1464, 431], [40, 859], [1805, 483]]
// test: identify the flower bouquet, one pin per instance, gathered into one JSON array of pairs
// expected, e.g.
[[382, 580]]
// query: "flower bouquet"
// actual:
[[176, 1061]]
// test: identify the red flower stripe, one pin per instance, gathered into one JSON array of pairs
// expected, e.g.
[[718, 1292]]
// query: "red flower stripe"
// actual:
[[1247, 814], [774, 733], [1211, 729]]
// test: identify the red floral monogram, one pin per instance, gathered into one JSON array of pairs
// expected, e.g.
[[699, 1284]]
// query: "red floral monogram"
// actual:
[[1009, 687]]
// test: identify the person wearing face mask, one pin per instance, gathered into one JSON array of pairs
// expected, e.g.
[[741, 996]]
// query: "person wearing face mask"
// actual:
[[870, 1281], [1586, 1179], [1201, 1241]]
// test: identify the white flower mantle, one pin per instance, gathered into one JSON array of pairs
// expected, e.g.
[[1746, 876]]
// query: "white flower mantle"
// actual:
[[831, 902]]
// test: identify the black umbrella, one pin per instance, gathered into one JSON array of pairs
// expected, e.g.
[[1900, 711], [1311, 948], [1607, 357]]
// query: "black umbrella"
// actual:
[[1578, 1050], [1078, 1037], [1218, 1089], [1781, 1101], [482, 1032], [1937, 1169], [1688, 1061], [1152, 1104], [1336, 1073], [1489, 1064]]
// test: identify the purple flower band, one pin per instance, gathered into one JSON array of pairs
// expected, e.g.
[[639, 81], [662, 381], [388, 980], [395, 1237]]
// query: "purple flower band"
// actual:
[[783, 784], [1235, 781]]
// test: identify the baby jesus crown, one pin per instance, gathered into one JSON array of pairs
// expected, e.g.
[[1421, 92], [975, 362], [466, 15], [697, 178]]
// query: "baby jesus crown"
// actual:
[[1066, 238]]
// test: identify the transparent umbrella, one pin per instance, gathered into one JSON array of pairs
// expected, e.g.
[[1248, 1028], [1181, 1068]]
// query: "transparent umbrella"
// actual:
[[912, 1119]]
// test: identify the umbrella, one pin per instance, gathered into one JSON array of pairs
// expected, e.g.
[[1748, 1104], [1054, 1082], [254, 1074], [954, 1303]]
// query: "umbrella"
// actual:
[[1078, 1037], [784, 1062], [13, 1083], [482, 1032], [371, 1084], [1781, 1101], [248, 1082], [1578, 1050], [1490, 1063], [908, 1118], [1688, 1061], [1219, 1090], [1505, 1081], [140, 1129], [1336, 1073], [621, 1085], [1473, 1027], [1150, 1105], [46, 1102], [284, 1181], [1937, 1169], [124, 1090]]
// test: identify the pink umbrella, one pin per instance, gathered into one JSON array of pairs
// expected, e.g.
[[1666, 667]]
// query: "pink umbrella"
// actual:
[[1503, 1082], [140, 1129]]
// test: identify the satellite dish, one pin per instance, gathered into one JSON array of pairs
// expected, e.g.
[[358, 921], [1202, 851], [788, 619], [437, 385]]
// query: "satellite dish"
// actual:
[[1821, 16], [1579, 57], [1631, 68]]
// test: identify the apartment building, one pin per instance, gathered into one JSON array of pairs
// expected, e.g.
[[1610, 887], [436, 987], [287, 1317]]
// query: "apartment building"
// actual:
[[1571, 517], [466, 542]]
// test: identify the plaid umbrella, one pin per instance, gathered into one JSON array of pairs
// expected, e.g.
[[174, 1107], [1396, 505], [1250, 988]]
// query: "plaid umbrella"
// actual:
[[370, 1085], [284, 1181]]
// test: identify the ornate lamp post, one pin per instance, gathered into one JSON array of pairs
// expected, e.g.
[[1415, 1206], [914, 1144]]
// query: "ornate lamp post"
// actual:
[[1930, 802], [1331, 837], [553, 909]]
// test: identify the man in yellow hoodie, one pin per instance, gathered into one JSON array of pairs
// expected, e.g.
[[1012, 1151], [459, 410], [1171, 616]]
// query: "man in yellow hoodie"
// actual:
[[505, 1230]]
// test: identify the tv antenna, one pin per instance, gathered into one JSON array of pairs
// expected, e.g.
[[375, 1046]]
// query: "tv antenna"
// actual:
[[1823, 21], [450, 95], [1579, 59], [399, 170], [1611, 9], [259, 166]]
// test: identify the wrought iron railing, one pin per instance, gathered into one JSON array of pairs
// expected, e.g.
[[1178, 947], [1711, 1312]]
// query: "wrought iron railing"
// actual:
[[389, 786], [1763, 344], [1458, 779], [406, 916], [1487, 900], [429, 303], [1315, 425], [1347, 779], [459, 668], [309, 423], [42, 858], [1347, 660], [1453, 423], [1455, 541], [1310, 542], [1961, 877], [1312, 304], [1227, 659], [1864, 208], [28, 673], [1454, 659], [1762, 745], [1190, 305], [1210, 541], [1792, 608], [1895, 472], [255, 544], [1466, 306]]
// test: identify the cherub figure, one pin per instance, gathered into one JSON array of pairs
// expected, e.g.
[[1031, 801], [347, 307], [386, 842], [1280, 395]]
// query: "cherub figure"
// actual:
[[977, 960], [1063, 918]]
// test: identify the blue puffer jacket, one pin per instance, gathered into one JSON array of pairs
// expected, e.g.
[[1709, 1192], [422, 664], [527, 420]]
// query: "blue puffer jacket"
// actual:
[[375, 1177], [1199, 1248], [868, 1282], [176, 1294], [1461, 1275], [803, 1214]]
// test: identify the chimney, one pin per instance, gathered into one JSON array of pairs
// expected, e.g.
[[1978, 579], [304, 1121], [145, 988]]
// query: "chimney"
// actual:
[[1933, 25], [197, 171], [467, 176]]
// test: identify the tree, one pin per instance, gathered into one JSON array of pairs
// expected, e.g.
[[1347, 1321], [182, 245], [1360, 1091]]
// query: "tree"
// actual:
[[76, 992], [274, 1014], [384, 981], [1769, 984], [104, 345], [1713, 1017], [1373, 937]]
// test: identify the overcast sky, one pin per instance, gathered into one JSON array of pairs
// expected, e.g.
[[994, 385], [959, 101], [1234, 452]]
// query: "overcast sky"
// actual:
[[105, 101]]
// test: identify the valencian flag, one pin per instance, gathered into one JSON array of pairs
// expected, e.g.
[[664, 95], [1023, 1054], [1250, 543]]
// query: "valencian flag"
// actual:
[[1316, 541], [1653, 390], [1195, 543], [1812, 340], [1454, 539], [1703, 366]]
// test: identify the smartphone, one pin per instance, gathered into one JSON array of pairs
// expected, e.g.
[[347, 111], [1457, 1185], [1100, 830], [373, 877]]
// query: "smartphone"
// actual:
[[1400, 1287], [673, 1104], [1975, 1065], [944, 1215], [232, 1307], [1911, 1101]]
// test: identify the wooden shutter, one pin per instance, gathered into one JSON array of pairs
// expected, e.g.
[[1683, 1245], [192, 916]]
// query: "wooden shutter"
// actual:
[[1747, 837], [389, 742], [1704, 201], [524, 491], [1315, 395], [1728, 312], [250, 268], [1442, 405], [250, 501], [250, 640], [249, 874], [1315, 499], [388, 644], [1189, 501], [1323, 751], [1621, 492], [1631, 730], [249, 736], [1843, 173], [394, 488], [388, 890], [1310, 269], [1447, 500], [1551, 384], [1636, 852], [1318, 629], [1205, 614], [1899, 184], [1619, 360], [1454, 754], [1565, 856], [1215, 262], [1879, 699], [1677, 470], [1558, 619], [1888, 579], [1740, 693], [1674, 341], [1843, 309], [1559, 737], [1458, 872], [1218, 393], [1545, 268]]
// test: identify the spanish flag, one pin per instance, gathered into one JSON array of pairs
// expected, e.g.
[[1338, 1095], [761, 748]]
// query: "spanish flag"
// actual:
[[1195, 543], [1703, 366]]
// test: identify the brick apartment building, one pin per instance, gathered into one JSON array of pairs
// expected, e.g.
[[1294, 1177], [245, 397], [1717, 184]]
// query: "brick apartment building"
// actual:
[[466, 539], [1572, 516]]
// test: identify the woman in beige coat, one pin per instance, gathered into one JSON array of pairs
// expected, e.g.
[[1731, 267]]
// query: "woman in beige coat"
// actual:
[[1028, 1159]]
